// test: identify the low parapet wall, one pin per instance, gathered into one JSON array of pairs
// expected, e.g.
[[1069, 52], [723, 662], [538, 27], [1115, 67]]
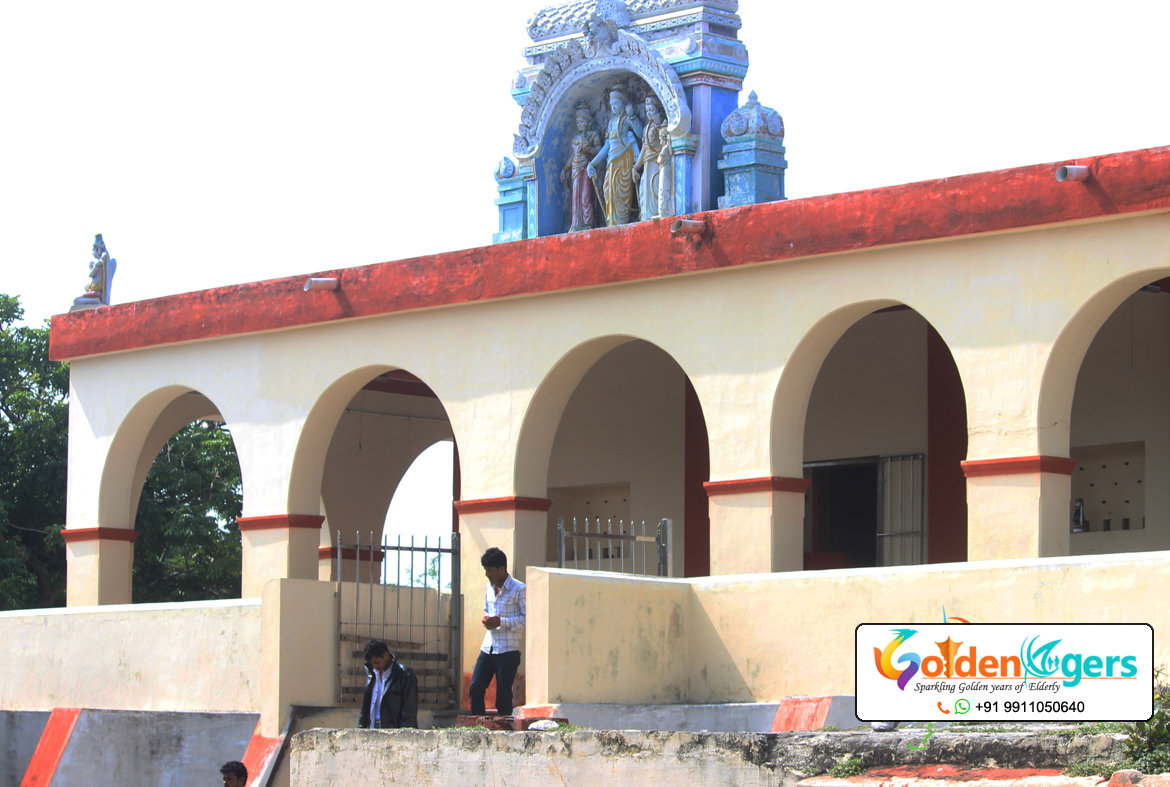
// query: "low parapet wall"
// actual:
[[595, 637], [195, 656]]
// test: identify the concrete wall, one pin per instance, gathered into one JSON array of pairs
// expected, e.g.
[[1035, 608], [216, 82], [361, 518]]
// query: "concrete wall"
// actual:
[[383, 758], [1123, 396], [595, 637], [118, 748], [870, 395], [624, 423], [197, 656], [20, 731]]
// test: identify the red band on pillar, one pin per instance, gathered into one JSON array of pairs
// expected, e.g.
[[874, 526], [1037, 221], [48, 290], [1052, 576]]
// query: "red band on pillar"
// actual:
[[502, 504], [350, 554], [73, 535], [746, 485], [279, 521], [1019, 465]]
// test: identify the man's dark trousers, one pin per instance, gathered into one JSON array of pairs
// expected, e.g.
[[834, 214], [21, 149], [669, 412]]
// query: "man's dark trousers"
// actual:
[[502, 667]]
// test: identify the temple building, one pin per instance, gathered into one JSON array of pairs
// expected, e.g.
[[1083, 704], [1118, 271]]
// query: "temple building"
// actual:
[[852, 408]]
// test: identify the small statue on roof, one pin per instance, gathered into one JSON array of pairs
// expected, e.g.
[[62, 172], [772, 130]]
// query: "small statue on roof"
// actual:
[[101, 275]]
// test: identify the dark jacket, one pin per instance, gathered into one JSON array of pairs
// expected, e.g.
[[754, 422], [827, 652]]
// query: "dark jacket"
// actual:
[[399, 702]]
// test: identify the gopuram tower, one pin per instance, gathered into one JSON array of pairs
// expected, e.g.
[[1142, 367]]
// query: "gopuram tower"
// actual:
[[625, 111]]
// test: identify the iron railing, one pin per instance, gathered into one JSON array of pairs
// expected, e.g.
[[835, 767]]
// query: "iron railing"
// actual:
[[411, 602], [598, 548]]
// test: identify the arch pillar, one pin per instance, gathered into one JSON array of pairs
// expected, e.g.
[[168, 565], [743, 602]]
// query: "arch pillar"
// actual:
[[98, 565]]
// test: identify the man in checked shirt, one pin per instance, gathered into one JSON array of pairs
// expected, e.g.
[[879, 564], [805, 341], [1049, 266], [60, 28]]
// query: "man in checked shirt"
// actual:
[[505, 607]]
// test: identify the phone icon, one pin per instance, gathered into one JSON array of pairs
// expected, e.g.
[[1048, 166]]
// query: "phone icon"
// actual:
[[944, 710]]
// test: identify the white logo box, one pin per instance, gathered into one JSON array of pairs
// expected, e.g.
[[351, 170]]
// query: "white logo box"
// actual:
[[1004, 672]]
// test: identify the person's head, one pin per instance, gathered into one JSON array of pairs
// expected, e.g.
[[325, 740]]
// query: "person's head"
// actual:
[[653, 110], [234, 774], [495, 565], [378, 655], [617, 100], [583, 115]]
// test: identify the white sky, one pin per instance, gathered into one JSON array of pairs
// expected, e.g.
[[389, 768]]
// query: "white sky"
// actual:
[[221, 142]]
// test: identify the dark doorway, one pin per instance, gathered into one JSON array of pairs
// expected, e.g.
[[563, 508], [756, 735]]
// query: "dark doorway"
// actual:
[[841, 517]]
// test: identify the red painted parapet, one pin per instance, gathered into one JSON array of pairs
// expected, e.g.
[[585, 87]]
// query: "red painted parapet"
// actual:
[[772, 231]]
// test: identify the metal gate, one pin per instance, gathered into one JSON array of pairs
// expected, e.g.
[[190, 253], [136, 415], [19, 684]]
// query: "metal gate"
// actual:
[[411, 602], [901, 510], [598, 548]]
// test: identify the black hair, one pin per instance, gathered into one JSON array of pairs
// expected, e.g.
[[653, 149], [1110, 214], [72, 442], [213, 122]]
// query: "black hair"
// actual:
[[375, 647], [494, 558], [234, 767]]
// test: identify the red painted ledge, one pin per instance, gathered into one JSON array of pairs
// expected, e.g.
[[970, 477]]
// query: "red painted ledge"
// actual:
[[76, 534], [502, 504], [745, 485], [54, 738], [773, 231], [1019, 465], [330, 553], [278, 521]]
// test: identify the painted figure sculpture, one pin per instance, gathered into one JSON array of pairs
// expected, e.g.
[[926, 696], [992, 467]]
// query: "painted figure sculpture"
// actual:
[[575, 173], [619, 152], [647, 171], [101, 276]]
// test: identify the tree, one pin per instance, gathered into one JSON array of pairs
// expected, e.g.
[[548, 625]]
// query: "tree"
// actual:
[[188, 546], [34, 418]]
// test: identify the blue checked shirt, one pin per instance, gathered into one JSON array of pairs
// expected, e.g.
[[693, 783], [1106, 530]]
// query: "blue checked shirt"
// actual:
[[512, 607]]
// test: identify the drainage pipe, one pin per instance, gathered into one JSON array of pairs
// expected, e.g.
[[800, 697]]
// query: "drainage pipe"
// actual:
[[322, 284], [1072, 172], [688, 227]]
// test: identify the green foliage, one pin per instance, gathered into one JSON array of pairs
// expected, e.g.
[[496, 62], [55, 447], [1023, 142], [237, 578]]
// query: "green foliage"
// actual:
[[34, 420], [1148, 744], [1093, 768], [850, 766], [188, 546]]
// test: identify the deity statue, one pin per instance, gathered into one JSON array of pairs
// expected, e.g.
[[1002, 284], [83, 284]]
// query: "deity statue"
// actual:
[[647, 171], [665, 175], [620, 152], [101, 276], [575, 173]]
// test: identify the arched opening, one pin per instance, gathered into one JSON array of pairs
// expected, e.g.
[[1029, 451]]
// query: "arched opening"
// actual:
[[389, 418], [883, 440], [626, 443], [1119, 430], [173, 476]]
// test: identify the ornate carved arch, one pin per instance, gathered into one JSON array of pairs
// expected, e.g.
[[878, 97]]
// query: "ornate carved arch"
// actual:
[[579, 58]]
